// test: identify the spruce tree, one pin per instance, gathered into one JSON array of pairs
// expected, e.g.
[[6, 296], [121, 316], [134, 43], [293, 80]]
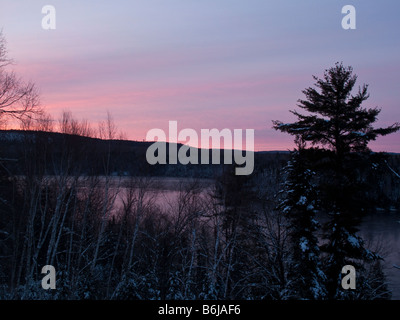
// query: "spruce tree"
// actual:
[[341, 128], [336, 119], [299, 202]]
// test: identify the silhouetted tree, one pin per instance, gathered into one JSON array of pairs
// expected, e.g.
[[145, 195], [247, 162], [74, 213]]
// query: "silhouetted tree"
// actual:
[[338, 123], [336, 118], [299, 204], [17, 98]]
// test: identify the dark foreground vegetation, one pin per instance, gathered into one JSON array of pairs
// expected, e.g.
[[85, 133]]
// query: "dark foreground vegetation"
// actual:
[[63, 203]]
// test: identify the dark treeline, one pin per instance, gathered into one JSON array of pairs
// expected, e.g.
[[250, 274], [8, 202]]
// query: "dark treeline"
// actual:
[[125, 157]]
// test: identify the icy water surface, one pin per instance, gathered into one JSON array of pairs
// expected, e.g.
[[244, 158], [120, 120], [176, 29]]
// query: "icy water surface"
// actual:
[[383, 228]]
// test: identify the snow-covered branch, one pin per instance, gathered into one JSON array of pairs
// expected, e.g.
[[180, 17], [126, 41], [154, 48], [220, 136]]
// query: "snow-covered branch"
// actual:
[[391, 169]]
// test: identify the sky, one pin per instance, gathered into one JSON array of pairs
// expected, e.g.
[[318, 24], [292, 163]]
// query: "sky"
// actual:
[[236, 64]]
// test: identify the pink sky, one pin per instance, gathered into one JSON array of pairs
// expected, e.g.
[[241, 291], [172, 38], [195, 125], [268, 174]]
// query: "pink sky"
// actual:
[[204, 64]]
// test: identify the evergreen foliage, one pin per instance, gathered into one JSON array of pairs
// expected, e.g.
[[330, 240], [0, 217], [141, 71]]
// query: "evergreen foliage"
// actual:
[[337, 122], [299, 204]]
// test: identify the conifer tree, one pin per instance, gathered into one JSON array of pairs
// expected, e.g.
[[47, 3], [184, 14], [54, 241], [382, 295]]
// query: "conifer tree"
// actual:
[[336, 119], [299, 203], [337, 123]]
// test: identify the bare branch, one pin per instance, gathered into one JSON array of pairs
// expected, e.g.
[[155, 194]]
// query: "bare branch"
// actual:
[[18, 99]]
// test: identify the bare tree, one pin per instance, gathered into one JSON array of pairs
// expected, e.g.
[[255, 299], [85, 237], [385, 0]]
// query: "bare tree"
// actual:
[[41, 122], [18, 99], [69, 125], [107, 130]]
